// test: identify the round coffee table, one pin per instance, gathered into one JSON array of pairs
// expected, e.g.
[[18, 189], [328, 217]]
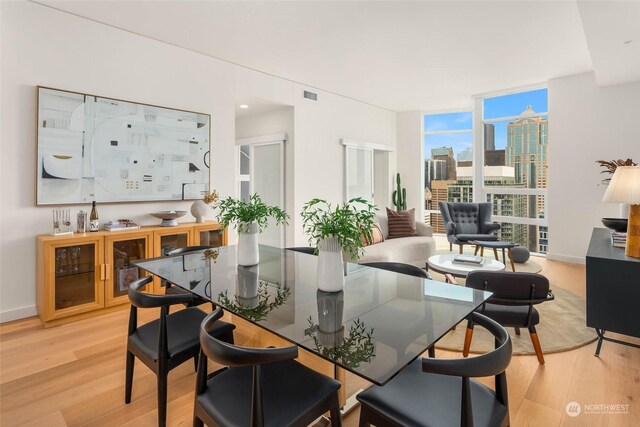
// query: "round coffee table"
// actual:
[[444, 264]]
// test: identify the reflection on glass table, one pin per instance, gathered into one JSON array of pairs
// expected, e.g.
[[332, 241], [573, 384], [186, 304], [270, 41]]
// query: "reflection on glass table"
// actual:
[[377, 325]]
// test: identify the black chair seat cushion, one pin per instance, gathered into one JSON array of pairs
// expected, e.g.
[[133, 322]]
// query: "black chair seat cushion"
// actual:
[[178, 290], [414, 398], [183, 328], [289, 390], [483, 237], [510, 315]]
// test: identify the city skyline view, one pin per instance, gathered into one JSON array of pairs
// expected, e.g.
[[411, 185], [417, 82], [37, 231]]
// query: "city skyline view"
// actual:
[[515, 157]]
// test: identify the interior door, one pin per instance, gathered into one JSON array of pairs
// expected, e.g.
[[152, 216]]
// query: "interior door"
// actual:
[[359, 173], [262, 172]]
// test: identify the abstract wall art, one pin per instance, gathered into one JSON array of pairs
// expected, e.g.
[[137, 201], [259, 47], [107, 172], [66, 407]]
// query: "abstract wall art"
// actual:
[[110, 150]]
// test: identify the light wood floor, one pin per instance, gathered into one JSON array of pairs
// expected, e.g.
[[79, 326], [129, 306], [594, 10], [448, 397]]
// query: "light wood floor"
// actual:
[[73, 375]]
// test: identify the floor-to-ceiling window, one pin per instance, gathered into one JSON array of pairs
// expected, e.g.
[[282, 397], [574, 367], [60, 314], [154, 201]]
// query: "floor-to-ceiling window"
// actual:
[[508, 134], [448, 153], [514, 129]]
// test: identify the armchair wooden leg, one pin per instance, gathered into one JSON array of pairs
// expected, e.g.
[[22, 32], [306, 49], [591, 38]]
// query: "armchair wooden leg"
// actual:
[[450, 247], [495, 253], [517, 330], [467, 339], [476, 251], [536, 344], [513, 267], [460, 249], [482, 251]]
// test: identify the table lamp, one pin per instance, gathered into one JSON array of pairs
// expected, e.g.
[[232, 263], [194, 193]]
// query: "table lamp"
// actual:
[[625, 188]]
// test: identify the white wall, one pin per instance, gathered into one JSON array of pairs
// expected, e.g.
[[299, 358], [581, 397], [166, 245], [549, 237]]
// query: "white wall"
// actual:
[[42, 46], [586, 123], [410, 159], [319, 154], [270, 123]]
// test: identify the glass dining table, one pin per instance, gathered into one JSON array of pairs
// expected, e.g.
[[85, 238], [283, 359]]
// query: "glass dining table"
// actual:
[[378, 324]]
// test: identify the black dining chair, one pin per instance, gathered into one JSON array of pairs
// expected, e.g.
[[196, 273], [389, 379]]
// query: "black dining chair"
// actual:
[[259, 386], [399, 267], [172, 290], [440, 392], [303, 249], [167, 342], [512, 302]]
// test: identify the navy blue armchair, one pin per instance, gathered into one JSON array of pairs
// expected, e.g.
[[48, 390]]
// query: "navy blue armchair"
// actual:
[[466, 222]]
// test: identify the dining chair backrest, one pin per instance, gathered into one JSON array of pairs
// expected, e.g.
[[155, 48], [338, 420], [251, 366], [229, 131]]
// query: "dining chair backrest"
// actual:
[[510, 288], [494, 363], [141, 299]]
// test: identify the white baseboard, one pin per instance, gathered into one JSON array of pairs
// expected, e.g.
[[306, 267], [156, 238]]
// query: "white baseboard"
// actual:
[[566, 258], [18, 313]]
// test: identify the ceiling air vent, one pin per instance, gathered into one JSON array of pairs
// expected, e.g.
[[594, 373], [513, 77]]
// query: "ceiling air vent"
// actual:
[[310, 95]]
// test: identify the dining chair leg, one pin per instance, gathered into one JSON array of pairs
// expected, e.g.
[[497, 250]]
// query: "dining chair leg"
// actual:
[[467, 339], [536, 344], [195, 363], [365, 418], [130, 364], [162, 399], [197, 422], [334, 413]]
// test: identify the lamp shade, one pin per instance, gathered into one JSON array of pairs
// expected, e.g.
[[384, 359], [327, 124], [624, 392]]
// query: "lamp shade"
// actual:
[[624, 186]]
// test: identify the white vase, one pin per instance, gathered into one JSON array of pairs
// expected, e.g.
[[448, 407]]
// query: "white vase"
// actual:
[[330, 276], [247, 286], [199, 210], [248, 244]]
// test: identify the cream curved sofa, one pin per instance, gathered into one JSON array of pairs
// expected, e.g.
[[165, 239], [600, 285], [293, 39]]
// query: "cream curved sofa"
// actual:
[[413, 250]]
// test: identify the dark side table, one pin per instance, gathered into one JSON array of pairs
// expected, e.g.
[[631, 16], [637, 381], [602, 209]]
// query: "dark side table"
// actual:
[[613, 290], [495, 245]]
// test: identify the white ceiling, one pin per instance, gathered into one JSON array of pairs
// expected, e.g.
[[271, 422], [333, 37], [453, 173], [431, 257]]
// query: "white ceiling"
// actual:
[[397, 55]]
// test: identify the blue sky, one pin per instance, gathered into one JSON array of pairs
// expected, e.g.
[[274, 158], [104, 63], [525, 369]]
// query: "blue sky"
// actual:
[[501, 106]]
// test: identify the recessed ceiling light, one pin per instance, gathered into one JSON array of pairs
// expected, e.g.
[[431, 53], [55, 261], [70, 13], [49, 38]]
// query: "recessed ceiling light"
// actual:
[[244, 106]]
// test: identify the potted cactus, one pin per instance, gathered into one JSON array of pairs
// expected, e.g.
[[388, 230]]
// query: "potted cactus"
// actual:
[[399, 196]]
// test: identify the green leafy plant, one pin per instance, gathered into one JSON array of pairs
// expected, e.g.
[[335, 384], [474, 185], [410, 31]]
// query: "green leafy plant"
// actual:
[[610, 167], [234, 211], [345, 223], [355, 348], [262, 309]]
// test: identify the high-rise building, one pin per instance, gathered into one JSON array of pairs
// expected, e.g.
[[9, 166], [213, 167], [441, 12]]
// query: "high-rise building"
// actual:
[[465, 157], [492, 157], [439, 193], [503, 204], [434, 170], [445, 154], [527, 153]]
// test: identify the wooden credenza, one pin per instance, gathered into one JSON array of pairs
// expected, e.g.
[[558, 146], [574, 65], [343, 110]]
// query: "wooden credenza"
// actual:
[[87, 274], [613, 289]]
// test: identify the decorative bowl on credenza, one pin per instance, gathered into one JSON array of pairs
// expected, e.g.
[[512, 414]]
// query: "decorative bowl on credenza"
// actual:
[[616, 224]]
